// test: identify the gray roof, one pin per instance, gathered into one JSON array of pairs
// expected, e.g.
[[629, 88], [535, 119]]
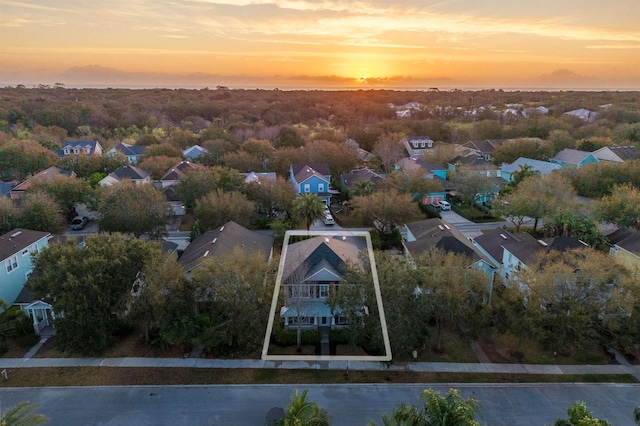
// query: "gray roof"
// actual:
[[17, 240], [544, 167], [129, 172], [631, 243], [309, 253], [472, 160], [128, 149], [222, 241], [617, 153], [571, 156], [528, 250], [360, 175], [436, 233], [493, 240], [178, 170]]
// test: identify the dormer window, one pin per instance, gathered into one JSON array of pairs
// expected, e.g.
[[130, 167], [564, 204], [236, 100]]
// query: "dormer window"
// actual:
[[66, 151], [76, 151]]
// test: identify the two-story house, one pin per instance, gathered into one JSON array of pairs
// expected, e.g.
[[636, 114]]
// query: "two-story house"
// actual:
[[47, 174], [16, 249], [626, 250], [79, 148], [314, 178], [435, 172], [436, 234], [491, 244], [311, 267], [416, 145]]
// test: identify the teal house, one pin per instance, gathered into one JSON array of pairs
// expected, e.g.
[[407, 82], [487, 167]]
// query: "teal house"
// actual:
[[573, 158], [16, 250]]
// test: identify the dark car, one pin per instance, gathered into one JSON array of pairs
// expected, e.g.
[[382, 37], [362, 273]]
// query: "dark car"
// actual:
[[79, 222]]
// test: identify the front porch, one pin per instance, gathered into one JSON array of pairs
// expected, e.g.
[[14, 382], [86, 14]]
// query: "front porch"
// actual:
[[42, 315]]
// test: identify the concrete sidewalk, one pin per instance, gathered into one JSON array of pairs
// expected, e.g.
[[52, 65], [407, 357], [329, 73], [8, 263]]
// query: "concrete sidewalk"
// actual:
[[437, 367]]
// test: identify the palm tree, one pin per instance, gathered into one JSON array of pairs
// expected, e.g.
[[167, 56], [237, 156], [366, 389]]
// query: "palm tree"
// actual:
[[636, 415], [438, 410], [363, 188], [301, 412], [307, 208], [21, 415], [579, 414]]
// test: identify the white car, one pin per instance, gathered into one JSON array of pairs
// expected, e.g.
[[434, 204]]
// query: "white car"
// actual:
[[328, 220], [444, 205]]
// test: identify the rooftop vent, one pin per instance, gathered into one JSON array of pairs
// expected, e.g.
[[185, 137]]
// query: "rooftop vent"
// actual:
[[214, 240], [542, 243], [504, 237], [440, 227], [205, 253], [447, 226], [16, 234]]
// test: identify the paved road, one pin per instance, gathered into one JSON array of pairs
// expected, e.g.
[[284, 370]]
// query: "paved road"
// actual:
[[238, 405]]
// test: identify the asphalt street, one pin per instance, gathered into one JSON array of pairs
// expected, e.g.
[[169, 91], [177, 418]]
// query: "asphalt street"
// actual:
[[239, 405]]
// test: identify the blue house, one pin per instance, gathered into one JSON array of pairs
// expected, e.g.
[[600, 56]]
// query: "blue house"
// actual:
[[194, 152], [431, 234], [314, 178], [573, 158], [16, 249], [436, 172], [543, 167]]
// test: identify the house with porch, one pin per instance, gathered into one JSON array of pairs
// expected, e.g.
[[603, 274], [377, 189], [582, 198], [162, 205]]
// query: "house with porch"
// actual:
[[16, 250], [314, 178], [310, 268]]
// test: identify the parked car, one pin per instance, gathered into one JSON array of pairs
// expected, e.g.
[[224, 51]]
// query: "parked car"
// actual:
[[79, 222], [444, 205], [328, 220]]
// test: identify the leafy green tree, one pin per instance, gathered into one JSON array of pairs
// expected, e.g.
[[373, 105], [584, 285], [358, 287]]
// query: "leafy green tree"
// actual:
[[386, 210], [89, 286], [288, 137], [134, 208], [471, 184], [622, 207], [451, 289], [154, 290], [307, 208], [448, 410], [301, 412], [528, 148], [19, 159], [579, 415], [84, 165], [574, 292], [217, 208], [39, 212], [195, 184], [412, 182], [271, 195], [21, 414], [636, 415], [525, 171], [67, 191], [538, 197], [233, 302], [7, 214], [158, 165], [363, 188]]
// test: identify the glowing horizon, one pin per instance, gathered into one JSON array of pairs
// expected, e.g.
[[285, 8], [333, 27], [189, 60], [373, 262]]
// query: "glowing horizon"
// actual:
[[323, 43]]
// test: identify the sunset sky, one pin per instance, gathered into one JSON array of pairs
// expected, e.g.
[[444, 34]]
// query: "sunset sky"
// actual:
[[322, 43]]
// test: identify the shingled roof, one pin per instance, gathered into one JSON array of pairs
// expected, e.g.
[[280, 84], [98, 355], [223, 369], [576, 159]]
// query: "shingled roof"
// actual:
[[528, 250], [222, 241], [17, 240]]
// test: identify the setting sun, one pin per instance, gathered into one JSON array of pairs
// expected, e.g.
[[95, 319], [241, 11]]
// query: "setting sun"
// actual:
[[259, 43]]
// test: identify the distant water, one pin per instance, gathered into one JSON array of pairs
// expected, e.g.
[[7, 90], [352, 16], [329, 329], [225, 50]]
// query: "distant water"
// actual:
[[344, 88]]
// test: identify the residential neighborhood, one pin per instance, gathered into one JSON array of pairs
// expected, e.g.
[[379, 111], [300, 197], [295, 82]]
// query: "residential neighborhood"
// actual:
[[456, 239]]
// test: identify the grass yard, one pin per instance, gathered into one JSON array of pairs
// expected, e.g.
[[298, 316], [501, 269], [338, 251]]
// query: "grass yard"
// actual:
[[456, 349], [105, 376], [501, 349]]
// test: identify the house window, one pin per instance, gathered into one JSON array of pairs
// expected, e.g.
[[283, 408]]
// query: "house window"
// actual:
[[341, 320], [321, 187], [66, 151], [307, 187], [76, 151], [11, 263], [324, 290], [25, 251], [28, 274]]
